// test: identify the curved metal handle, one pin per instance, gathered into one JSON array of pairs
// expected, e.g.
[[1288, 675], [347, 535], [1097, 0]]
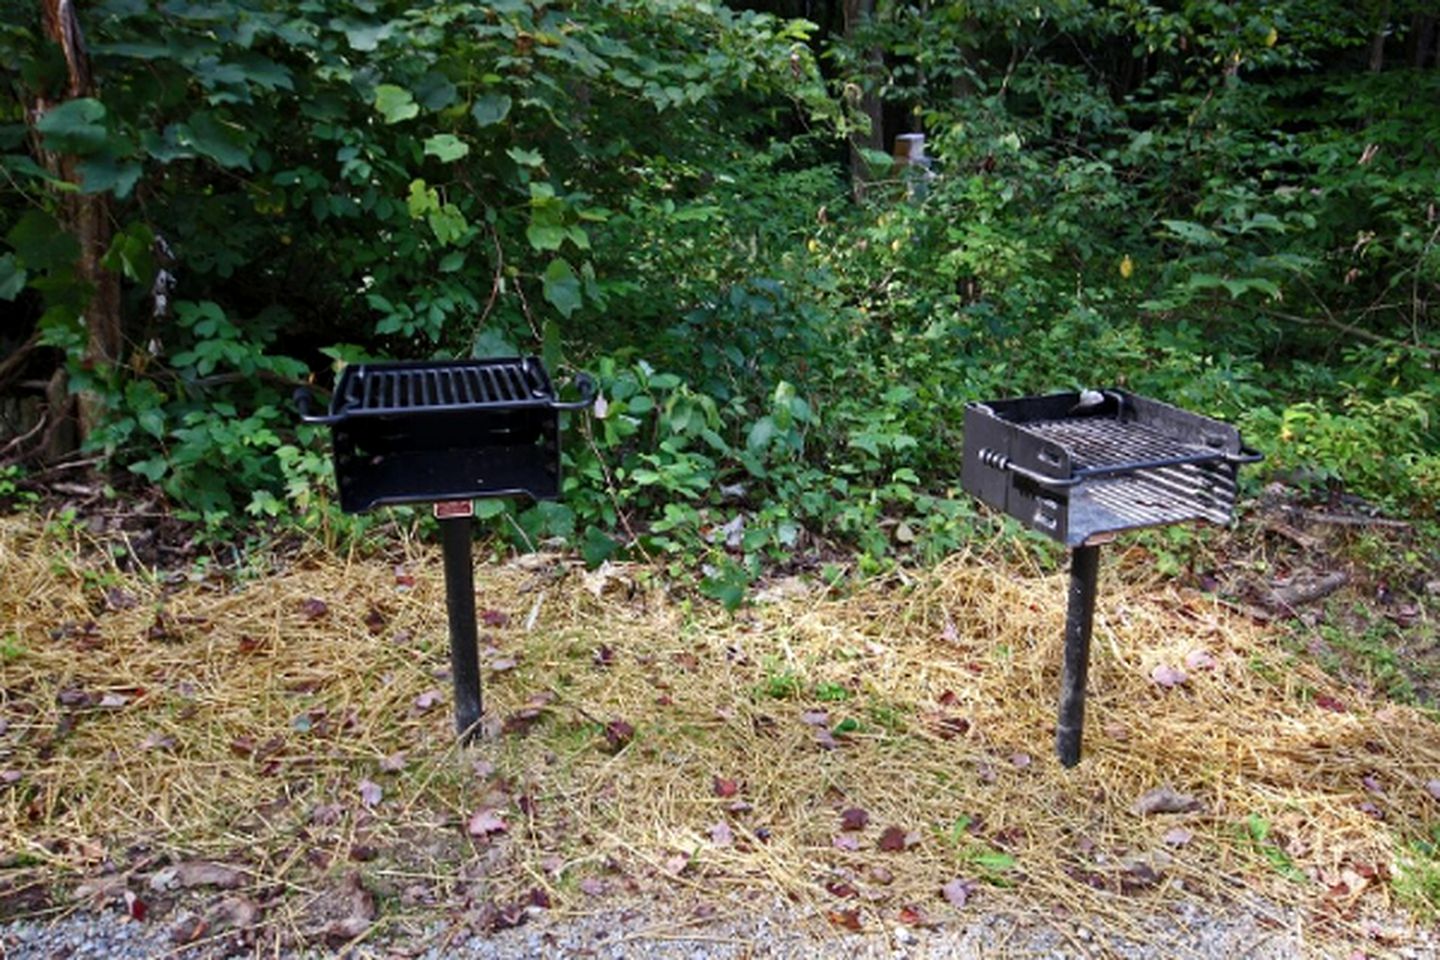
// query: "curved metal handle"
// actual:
[[1246, 455], [586, 385], [303, 399]]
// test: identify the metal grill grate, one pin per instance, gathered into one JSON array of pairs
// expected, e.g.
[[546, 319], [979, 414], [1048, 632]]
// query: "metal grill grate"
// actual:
[[379, 390], [1100, 442]]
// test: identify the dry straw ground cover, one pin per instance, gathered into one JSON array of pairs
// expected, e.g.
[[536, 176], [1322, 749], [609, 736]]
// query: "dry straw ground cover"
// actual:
[[881, 756]]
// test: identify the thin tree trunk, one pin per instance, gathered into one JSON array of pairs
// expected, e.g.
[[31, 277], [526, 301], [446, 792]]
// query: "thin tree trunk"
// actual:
[[85, 215], [855, 13], [1377, 40]]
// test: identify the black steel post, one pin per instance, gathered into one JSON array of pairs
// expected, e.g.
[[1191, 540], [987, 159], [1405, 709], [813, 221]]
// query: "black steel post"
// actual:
[[460, 605], [1079, 615]]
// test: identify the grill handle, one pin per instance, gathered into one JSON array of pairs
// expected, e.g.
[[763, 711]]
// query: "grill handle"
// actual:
[[1246, 455], [998, 461], [303, 400], [586, 385]]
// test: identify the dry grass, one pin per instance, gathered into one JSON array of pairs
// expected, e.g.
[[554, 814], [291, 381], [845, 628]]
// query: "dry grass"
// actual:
[[241, 727]]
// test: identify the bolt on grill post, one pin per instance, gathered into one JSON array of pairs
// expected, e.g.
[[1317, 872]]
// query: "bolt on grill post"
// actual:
[[460, 605], [1079, 617]]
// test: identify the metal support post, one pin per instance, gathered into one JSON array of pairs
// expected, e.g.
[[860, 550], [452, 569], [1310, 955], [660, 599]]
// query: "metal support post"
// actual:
[[460, 605], [1079, 615]]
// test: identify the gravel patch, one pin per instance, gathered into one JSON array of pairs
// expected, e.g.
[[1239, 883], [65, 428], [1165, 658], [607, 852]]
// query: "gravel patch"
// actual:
[[673, 931]]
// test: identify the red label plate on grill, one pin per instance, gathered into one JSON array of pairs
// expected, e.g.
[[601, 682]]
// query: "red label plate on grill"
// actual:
[[447, 509]]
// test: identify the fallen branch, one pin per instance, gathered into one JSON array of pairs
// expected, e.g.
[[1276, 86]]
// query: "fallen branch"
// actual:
[[1299, 594], [1346, 520]]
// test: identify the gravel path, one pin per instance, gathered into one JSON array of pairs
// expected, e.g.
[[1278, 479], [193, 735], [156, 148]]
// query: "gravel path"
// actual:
[[770, 930]]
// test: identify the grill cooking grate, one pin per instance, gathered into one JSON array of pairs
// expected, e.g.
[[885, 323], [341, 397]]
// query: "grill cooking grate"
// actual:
[[375, 389]]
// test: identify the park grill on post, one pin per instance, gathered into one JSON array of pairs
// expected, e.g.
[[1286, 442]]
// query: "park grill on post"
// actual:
[[447, 433], [1082, 467]]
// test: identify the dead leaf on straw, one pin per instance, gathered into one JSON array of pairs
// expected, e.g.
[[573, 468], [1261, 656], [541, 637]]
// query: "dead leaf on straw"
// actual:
[[486, 823], [618, 733], [1327, 702], [1164, 800], [845, 842], [1432, 787], [896, 839], [721, 835], [200, 873], [912, 916], [362, 912], [427, 700], [815, 718], [393, 763], [1199, 660], [1168, 676], [494, 618], [847, 919], [1177, 837], [854, 818], [313, 608], [725, 787], [158, 741], [371, 793], [375, 622], [957, 892], [593, 887]]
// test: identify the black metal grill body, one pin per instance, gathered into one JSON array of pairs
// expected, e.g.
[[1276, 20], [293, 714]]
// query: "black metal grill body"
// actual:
[[448, 431], [1077, 472], [1080, 467], [456, 430]]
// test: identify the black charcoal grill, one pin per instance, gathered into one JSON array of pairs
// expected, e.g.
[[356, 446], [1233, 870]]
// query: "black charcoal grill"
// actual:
[[1082, 467], [447, 433]]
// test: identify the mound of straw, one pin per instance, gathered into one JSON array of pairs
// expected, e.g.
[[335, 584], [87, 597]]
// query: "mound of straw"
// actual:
[[298, 725]]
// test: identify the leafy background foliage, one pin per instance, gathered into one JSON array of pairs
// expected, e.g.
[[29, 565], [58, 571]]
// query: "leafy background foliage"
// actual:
[[1230, 205]]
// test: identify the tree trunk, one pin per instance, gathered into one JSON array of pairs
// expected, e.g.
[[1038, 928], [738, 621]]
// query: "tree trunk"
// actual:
[[857, 12], [85, 215], [1377, 40]]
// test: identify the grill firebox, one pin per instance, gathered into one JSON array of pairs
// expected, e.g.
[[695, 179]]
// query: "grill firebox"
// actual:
[[1081, 467], [447, 433], [457, 430]]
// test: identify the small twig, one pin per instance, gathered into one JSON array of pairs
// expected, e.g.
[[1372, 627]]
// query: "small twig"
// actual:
[[18, 441]]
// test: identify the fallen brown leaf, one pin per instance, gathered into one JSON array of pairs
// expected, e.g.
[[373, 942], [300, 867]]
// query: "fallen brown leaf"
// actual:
[[1164, 800]]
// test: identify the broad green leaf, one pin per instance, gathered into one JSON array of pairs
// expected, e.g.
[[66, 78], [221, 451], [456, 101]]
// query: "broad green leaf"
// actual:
[[526, 158], [448, 223], [42, 244], [12, 277], [545, 237], [452, 261], [562, 286], [104, 172], [1192, 232], [446, 146], [131, 254], [422, 199], [435, 91], [364, 36], [395, 103], [490, 109], [760, 435], [75, 126], [228, 144]]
